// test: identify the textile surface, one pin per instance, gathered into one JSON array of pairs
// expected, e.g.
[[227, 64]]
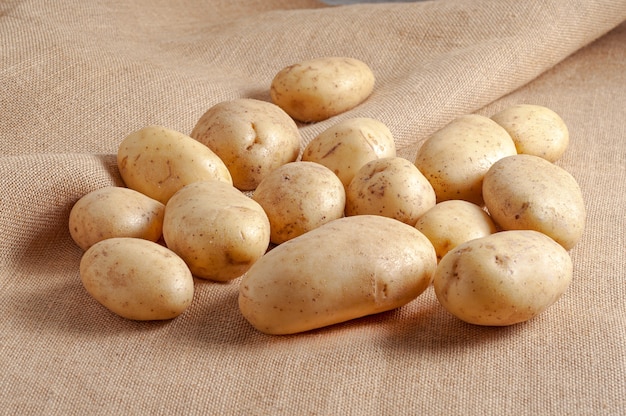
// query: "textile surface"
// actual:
[[76, 77]]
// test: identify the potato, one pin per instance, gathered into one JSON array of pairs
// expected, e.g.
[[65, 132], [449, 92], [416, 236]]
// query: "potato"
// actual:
[[453, 222], [216, 229], [345, 269], [348, 145], [115, 212], [503, 279], [298, 197], [158, 161], [137, 279], [526, 192], [252, 137], [456, 157], [318, 89], [536, 130], [392, 187]]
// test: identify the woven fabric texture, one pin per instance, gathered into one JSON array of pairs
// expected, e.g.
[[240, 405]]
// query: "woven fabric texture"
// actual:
[[76, 77]]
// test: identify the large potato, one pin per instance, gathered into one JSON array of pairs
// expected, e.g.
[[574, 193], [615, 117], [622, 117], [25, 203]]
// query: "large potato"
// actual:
[[536, 130], [453, 222], [298, 197], [345, 269], [216, 229], [456, 157], [317, 89], [392, 187], [114, 211], [503, 279], [252, 137], [348, 145], [526, 192], [137, 279], [158, 161]]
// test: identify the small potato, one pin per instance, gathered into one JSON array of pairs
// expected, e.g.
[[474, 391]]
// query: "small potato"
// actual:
[[158, 161], [115, 212], [503, 279], [216, 229], [137, 279], [526, 192], [348, 145], [252, 137], [455, 158], [392, 187], [453, 222], [345, 269], [298, 197], [536, 130], [318, 89]]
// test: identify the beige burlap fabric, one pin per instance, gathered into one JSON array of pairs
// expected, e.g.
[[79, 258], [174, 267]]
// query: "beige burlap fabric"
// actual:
[[77, 76]]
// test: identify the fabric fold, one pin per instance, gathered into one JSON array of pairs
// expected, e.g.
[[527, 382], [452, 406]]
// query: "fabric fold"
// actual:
[[165, 65]]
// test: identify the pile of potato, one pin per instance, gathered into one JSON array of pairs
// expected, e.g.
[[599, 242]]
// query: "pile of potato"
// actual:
[[343, 228]]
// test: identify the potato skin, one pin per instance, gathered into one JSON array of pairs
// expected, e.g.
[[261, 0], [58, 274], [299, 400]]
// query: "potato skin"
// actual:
[[503, 279], [137, 279], [320, 88], [114, 211], [391, 187], [345, 269], [349, 144], [252, 137], [453, 222], [535, 130], [158, 161], [299, 197], [526, 192], [456, 158], [216, 229]]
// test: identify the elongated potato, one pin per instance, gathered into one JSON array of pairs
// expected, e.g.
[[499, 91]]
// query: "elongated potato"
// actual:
[[456, 158], [345, 269], [320, 88], [536, 130], [504, 278], [527, 192], [158, 161], [114, 211], [137, 279], [216, 229]]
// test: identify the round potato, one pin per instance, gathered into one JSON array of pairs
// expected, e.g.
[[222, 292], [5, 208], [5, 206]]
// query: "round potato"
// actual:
[[317, 89], [526, 192], [137, 279], [348, 145], [298, 197], [114, 211], [252, 137], [536, 130], [158, 161], [503, 279], [216, 229], [455, 158], [453, 222], [392, 187], [345, 269]]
